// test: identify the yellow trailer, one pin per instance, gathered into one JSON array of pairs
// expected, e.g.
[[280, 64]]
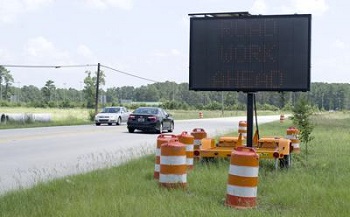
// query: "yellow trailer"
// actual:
[[275, 148]]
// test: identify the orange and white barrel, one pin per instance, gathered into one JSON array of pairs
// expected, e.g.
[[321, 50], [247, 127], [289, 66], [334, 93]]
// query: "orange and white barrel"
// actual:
[[161, 139], [243, 178], [296, 146], [242, 128], [292, 133], [282, 118], [198, 134], [188, 140], [173, 166], [200, 114]]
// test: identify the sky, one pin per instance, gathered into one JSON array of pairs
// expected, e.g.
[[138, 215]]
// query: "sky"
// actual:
[[149, 39]]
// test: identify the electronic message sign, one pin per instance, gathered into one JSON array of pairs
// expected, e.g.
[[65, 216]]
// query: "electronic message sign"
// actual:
[[250, 53]]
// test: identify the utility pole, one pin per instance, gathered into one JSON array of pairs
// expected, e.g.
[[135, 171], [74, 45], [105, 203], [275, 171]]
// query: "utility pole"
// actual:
[[97, 87]]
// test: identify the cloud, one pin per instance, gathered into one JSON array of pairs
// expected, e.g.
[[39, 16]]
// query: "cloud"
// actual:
[[339, 44], [5, 56], [84, 51], [35, 4], [167, 53], [259, 7], [331, 69], [104, 4], [317, 7], [175, 52], [40, 49], [10, 10]]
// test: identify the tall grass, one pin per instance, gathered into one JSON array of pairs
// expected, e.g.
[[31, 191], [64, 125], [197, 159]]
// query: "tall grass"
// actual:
[[56, 114], [313, 186], [59, 117]]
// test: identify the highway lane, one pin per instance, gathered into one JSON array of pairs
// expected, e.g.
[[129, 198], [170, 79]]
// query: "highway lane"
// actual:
[[32, 155]]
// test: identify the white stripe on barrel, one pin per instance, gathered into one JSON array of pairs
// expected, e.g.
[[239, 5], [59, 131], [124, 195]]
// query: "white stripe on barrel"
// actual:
[[242, 128], [161, 139], [296, 145], [188, 140], [243, 178], [173, 165], [198, 134]]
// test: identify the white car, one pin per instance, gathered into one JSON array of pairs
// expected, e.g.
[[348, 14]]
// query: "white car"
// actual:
[[110, 115]]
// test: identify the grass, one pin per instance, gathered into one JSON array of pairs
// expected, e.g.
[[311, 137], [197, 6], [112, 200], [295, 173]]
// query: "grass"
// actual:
[[59, 117], [57, 114], [316, 185]]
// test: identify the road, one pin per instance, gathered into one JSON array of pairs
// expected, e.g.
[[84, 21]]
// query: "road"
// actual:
[[32, 155]]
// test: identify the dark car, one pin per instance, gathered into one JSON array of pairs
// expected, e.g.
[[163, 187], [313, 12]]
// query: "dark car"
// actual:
[[150, 119]]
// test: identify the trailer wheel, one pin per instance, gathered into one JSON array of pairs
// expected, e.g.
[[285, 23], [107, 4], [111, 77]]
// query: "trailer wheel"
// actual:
[[285, 162]]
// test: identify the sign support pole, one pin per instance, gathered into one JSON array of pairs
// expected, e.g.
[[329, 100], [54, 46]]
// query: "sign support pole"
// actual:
[[250, 112]]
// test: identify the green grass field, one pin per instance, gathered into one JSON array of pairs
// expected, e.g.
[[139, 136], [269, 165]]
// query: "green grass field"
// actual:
[[316, 185], [59, 117]]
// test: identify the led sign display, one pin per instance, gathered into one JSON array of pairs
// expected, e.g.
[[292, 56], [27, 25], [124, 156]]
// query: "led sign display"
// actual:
[[250, 53]]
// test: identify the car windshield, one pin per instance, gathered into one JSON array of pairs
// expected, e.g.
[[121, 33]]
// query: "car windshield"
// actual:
[[149, 111], [110, 110]]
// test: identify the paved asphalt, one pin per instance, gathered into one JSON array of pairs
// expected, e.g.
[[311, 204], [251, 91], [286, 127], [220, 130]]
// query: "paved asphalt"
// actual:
[[32, 155]]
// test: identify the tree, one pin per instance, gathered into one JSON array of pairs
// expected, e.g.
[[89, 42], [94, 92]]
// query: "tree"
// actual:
[[90, 87], [301, 118], [31, 95], [2, 70], [282, 100], [166, 90], [230, 98], [48, 91], [7, 77], [8, 81], [126, 92], [112, 95], [152, 94]]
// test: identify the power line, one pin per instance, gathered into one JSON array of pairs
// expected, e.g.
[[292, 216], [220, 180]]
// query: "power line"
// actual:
[[126, 73], [47, 66], [71, 66]]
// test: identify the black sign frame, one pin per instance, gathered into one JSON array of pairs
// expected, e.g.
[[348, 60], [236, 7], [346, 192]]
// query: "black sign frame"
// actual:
[[250, 53]]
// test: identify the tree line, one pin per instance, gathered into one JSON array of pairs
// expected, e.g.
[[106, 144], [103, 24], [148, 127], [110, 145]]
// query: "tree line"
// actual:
[[171, 95]]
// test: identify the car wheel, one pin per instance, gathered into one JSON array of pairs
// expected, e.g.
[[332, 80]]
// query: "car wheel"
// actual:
[[98, 124], [171, 127], [119, 121], [160, 128], [131, 130]]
